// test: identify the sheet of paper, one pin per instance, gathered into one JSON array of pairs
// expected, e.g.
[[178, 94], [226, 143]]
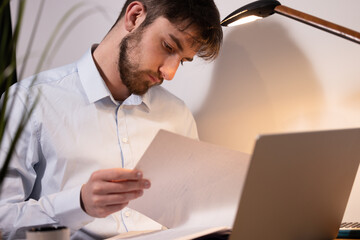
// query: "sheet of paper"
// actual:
[[179, 233], [193, 184]]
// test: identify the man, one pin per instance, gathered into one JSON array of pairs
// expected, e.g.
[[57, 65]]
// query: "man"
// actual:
[[96, 117]]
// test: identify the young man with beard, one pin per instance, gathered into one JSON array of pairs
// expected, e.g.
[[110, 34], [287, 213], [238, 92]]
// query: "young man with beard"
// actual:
[[95, 118]]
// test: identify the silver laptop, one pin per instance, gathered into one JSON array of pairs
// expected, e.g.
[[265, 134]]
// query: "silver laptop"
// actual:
[[298, 185]]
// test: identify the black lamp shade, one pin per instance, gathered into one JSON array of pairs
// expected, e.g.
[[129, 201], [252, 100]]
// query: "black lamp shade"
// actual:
[[261, 8]]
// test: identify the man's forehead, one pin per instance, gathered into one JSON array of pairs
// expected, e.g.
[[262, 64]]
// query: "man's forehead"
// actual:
[[182, 32], [189, 36]]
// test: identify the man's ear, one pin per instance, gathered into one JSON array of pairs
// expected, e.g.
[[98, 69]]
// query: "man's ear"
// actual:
[[134, 16]]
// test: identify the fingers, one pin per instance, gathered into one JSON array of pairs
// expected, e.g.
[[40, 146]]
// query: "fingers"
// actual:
[[120, 187], [117, 174], [110, 190], [116, 199]]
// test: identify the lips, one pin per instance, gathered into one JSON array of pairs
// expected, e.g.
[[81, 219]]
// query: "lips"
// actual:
[[155, 80]]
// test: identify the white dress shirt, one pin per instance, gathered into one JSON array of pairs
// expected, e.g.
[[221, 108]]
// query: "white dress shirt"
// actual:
[[76, 129]]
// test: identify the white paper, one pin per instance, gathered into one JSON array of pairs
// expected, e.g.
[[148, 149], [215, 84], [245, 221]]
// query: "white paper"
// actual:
[[194, 185], [179, 233]]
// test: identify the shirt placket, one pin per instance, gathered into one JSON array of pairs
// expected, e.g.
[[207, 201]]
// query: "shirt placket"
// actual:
[[124, 145], [123, 138]]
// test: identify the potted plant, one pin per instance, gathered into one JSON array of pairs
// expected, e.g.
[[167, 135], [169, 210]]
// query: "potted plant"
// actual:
[[9, 35], [8, 76]]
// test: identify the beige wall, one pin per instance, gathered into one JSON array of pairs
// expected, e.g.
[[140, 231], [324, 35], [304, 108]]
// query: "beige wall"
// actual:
[[274, 75]]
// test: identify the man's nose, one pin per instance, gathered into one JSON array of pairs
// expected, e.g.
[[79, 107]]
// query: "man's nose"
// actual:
[[169, 68]]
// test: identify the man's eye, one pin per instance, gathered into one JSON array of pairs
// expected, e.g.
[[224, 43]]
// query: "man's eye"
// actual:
[[168, 47]]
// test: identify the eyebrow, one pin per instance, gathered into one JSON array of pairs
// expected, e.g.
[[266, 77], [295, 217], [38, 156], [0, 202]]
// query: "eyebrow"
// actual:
[[178, 44]]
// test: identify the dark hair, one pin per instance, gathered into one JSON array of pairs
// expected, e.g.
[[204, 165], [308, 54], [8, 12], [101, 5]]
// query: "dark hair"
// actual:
[[203, 14]]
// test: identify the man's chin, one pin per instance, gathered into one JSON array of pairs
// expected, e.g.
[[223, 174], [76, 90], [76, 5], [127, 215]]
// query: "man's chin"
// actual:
[[141, 91], [145, 89]]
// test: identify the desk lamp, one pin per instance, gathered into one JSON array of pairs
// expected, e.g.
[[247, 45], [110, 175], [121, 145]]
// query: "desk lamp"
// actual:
[[263, 8]]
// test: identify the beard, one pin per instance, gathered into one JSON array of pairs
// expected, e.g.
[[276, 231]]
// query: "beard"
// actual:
[[136, 80]]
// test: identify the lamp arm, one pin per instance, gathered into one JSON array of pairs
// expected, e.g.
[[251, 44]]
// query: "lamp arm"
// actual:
[[319, 23]]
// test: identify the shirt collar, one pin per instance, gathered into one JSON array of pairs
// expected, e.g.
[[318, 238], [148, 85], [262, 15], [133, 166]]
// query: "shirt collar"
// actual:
[[95, 87], [134, 99]]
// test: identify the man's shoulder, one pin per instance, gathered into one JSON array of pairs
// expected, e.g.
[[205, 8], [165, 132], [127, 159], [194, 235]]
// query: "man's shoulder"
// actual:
[[161, 100], [173, 111], [159, 93], [52, 76]]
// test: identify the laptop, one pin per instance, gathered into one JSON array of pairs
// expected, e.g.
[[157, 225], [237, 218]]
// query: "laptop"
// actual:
[[349, 230], [297, 186]]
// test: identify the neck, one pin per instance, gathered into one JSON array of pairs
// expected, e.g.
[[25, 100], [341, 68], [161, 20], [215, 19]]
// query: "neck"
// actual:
[[106, 60]]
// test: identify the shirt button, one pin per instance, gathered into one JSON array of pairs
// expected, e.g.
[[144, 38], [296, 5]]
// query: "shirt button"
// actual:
[[125, 140], [127, 214]]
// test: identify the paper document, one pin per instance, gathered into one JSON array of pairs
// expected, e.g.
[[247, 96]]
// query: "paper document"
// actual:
[[194, 185]]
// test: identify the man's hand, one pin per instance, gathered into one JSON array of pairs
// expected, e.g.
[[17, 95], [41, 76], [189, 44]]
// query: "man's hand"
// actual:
[[110, 190]]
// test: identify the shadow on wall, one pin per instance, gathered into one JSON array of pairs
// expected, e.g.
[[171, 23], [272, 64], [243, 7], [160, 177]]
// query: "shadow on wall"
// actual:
[[262, 82]]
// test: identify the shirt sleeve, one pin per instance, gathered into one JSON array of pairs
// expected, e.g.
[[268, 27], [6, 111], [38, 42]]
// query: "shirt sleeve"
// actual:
[[19, 206], [189, 124]]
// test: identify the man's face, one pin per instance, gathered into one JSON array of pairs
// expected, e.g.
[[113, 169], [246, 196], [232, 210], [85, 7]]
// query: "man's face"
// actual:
[[150, 55]]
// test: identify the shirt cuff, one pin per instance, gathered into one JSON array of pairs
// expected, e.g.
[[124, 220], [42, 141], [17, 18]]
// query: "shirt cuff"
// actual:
[[68, 210]]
